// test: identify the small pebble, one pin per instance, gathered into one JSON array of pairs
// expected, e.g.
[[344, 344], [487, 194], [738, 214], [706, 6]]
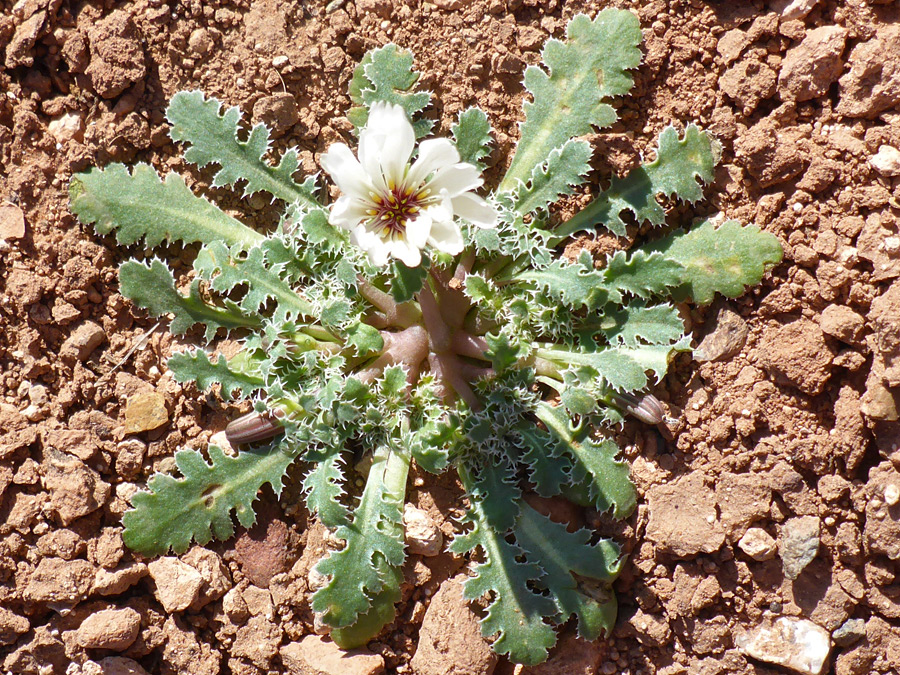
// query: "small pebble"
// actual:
[[891, 494], [796, 644]]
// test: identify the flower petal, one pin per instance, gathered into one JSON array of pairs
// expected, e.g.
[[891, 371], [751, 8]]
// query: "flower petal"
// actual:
[[456, 179], [434, 154], [446, 237], [386, 142], [347, 212], [345, 171], [377, 248], [474, 209], [418, 230], [403, 250]]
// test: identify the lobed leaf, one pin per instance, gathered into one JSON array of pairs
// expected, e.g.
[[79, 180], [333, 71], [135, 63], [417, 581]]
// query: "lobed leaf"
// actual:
[[576, 285], [472, 134], [196, 367], [153, 288], [323, 488], [515, 613], [641, 273], [217, 263], [569, 558], [386, 74], [603, 480], [570, 99], [564, 168], [359, 573], [678, 165], [724, 259], [213, 139], [138, 205], [199, 505], [637, 324]]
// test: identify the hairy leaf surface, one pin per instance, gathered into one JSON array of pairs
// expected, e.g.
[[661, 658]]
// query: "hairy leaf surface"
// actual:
[[138, 205], [213, 139], [472, 134], [196, 367], [153, 288], [724, 259], [199, 505], [570, 99]]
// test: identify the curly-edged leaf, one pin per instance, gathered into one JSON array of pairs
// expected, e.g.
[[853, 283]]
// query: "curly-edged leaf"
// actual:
[[564, 169], [674, 173], [374, 542], [213, 139], [724, 259], [407, 281], [576, 285], [548, 466], [568, 558], [196, 367], [364, 339], [380, 614], [503, 353], [140, 205], [153, 288], [636, 324], [323, 486], [386, 74], [199, 505], [571, 99], [623, 367], [472, 134], [515, 613], [642, 274], [225, 272], [605, 480]]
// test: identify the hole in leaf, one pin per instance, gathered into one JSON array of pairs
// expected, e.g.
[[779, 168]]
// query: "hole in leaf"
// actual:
[[209, 495]]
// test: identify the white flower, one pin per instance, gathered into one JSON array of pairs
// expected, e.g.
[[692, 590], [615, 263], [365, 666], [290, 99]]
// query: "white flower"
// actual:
[[394, 209]]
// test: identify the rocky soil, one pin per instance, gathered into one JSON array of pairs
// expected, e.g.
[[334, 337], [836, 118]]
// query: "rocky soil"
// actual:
[[772, 504]]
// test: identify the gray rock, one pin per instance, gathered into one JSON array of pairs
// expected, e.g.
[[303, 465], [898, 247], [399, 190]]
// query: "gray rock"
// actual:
[[852, 630], [799, 544]]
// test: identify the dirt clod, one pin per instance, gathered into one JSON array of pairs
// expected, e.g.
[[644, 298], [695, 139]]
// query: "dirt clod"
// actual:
[[683, 518], [315, 655], [145, 412], [450, 641], [113, 629], [177, 583]]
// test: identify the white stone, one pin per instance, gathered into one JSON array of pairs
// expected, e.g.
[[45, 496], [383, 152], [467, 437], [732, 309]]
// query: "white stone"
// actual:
[[280, 61], [423, 536], [68, 126], [796, 644], [797, 9], [758, 544], [886, 161], [891, 494]]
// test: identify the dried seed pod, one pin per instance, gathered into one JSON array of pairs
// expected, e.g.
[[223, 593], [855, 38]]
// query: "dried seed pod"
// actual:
[[253, 427]]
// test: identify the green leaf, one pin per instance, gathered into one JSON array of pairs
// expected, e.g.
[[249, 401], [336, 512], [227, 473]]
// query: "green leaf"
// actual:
[[635, 324], [213, 138], [548, 466], [386, 74], [472, 134], [153, 288], [196, 367], [323, 487], [218, 265], [576, 285], [374, 542], [503, 353], [724, 259], [674, 173], [623, 367], [407, 281], [568, 558], [515, 613], [199, 506], [364, 338], [641, 273], [606, 480], [565, 168], [571, 99], [139, 205]]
